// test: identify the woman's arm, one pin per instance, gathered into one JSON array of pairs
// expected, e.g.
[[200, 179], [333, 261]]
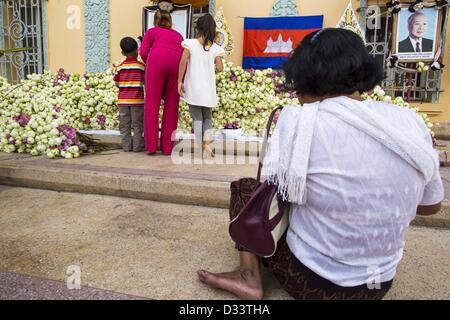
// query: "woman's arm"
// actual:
[[146, 45], [182, 71], [219, 64]]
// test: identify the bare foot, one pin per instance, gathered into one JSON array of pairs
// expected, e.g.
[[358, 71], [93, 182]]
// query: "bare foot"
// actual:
[[245, 284], [210, 152]]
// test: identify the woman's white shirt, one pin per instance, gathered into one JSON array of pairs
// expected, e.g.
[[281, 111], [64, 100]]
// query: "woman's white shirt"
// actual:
[[361, 198], [200, 80]]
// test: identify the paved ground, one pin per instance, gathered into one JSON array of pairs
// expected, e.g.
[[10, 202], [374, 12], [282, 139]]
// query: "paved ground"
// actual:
[[152, 249], [19, 287], [445, 173]]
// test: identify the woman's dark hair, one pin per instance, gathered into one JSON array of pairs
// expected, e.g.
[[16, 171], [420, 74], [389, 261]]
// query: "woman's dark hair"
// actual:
[[128, 45], [332, 62], [163, 19], [206, 28]]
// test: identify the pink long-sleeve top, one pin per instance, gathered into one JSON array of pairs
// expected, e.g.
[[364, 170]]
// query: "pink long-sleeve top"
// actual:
[[164, 39]]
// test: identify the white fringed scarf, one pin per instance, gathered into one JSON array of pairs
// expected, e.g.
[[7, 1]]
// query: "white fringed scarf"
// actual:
[[287, 159]]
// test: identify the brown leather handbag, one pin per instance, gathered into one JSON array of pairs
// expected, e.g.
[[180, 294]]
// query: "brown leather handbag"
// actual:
[[259, 217]]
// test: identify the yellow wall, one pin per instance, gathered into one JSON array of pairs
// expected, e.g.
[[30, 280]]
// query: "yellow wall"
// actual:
[[126, 20], [66, 47]]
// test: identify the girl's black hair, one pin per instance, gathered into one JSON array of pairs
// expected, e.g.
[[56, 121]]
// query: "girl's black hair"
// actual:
[[332, 62], [206, 28]]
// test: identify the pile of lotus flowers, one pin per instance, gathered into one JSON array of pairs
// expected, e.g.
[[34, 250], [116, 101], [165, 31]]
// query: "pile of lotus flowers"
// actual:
[[43, 114]]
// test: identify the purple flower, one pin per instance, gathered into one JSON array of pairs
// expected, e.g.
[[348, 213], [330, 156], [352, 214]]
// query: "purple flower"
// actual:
[[57, 109], [231, 126], [25, 141], [101, 120], [23, 119], [72, 133], [69, 132], [13, 142], [277, 74]]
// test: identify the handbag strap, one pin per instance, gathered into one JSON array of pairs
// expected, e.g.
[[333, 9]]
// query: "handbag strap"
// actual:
[[265, 141]]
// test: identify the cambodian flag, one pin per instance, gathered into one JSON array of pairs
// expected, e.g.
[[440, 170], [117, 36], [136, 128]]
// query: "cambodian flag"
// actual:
[[269, 41]]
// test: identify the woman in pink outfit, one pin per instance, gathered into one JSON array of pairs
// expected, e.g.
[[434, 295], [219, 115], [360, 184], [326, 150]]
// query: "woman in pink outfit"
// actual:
[[161, 50]]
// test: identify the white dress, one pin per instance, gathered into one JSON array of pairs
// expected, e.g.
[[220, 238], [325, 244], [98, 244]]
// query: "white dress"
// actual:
[[200, 79]]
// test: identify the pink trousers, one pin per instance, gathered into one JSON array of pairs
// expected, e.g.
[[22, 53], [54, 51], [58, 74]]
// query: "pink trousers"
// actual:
[[161, 84]]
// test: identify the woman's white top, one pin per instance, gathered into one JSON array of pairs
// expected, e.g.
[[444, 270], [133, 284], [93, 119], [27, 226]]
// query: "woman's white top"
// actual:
[[200, 79], [361, 198]]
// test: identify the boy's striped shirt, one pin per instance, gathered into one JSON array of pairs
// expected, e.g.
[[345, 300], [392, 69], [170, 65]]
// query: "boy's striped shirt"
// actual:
[[130, 77]]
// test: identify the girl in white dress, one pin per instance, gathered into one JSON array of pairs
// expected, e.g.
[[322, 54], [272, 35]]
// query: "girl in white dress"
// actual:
[[201, 59]]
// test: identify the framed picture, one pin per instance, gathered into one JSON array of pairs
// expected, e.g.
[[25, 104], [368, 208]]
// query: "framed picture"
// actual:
[[181, 19], [416, 35]]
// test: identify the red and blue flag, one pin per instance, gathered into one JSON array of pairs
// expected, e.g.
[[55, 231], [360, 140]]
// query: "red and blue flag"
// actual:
[[269, 41]]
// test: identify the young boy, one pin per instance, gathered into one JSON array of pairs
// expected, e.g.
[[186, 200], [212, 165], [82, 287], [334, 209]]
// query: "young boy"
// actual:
[[130, 78]]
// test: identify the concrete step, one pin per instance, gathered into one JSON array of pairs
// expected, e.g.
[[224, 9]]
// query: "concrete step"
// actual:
[[442, 130], [140, 176], [129, 175], [134, 247]]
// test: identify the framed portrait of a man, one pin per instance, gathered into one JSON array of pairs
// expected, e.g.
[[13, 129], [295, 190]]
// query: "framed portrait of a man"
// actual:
[[181, 19], [416, 35]]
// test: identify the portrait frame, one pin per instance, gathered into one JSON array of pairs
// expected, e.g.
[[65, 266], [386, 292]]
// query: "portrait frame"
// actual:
[[400, 47], [181, 17]]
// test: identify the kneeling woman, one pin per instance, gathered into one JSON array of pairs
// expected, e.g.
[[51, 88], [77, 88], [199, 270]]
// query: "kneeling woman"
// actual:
[[355, 172]]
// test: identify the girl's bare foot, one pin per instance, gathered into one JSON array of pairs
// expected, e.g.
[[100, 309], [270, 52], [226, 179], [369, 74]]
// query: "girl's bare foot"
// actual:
[[210, 152], [246, 284]]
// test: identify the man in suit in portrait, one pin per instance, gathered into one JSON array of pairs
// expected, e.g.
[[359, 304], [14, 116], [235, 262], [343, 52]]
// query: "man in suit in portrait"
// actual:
[[417, 27]]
